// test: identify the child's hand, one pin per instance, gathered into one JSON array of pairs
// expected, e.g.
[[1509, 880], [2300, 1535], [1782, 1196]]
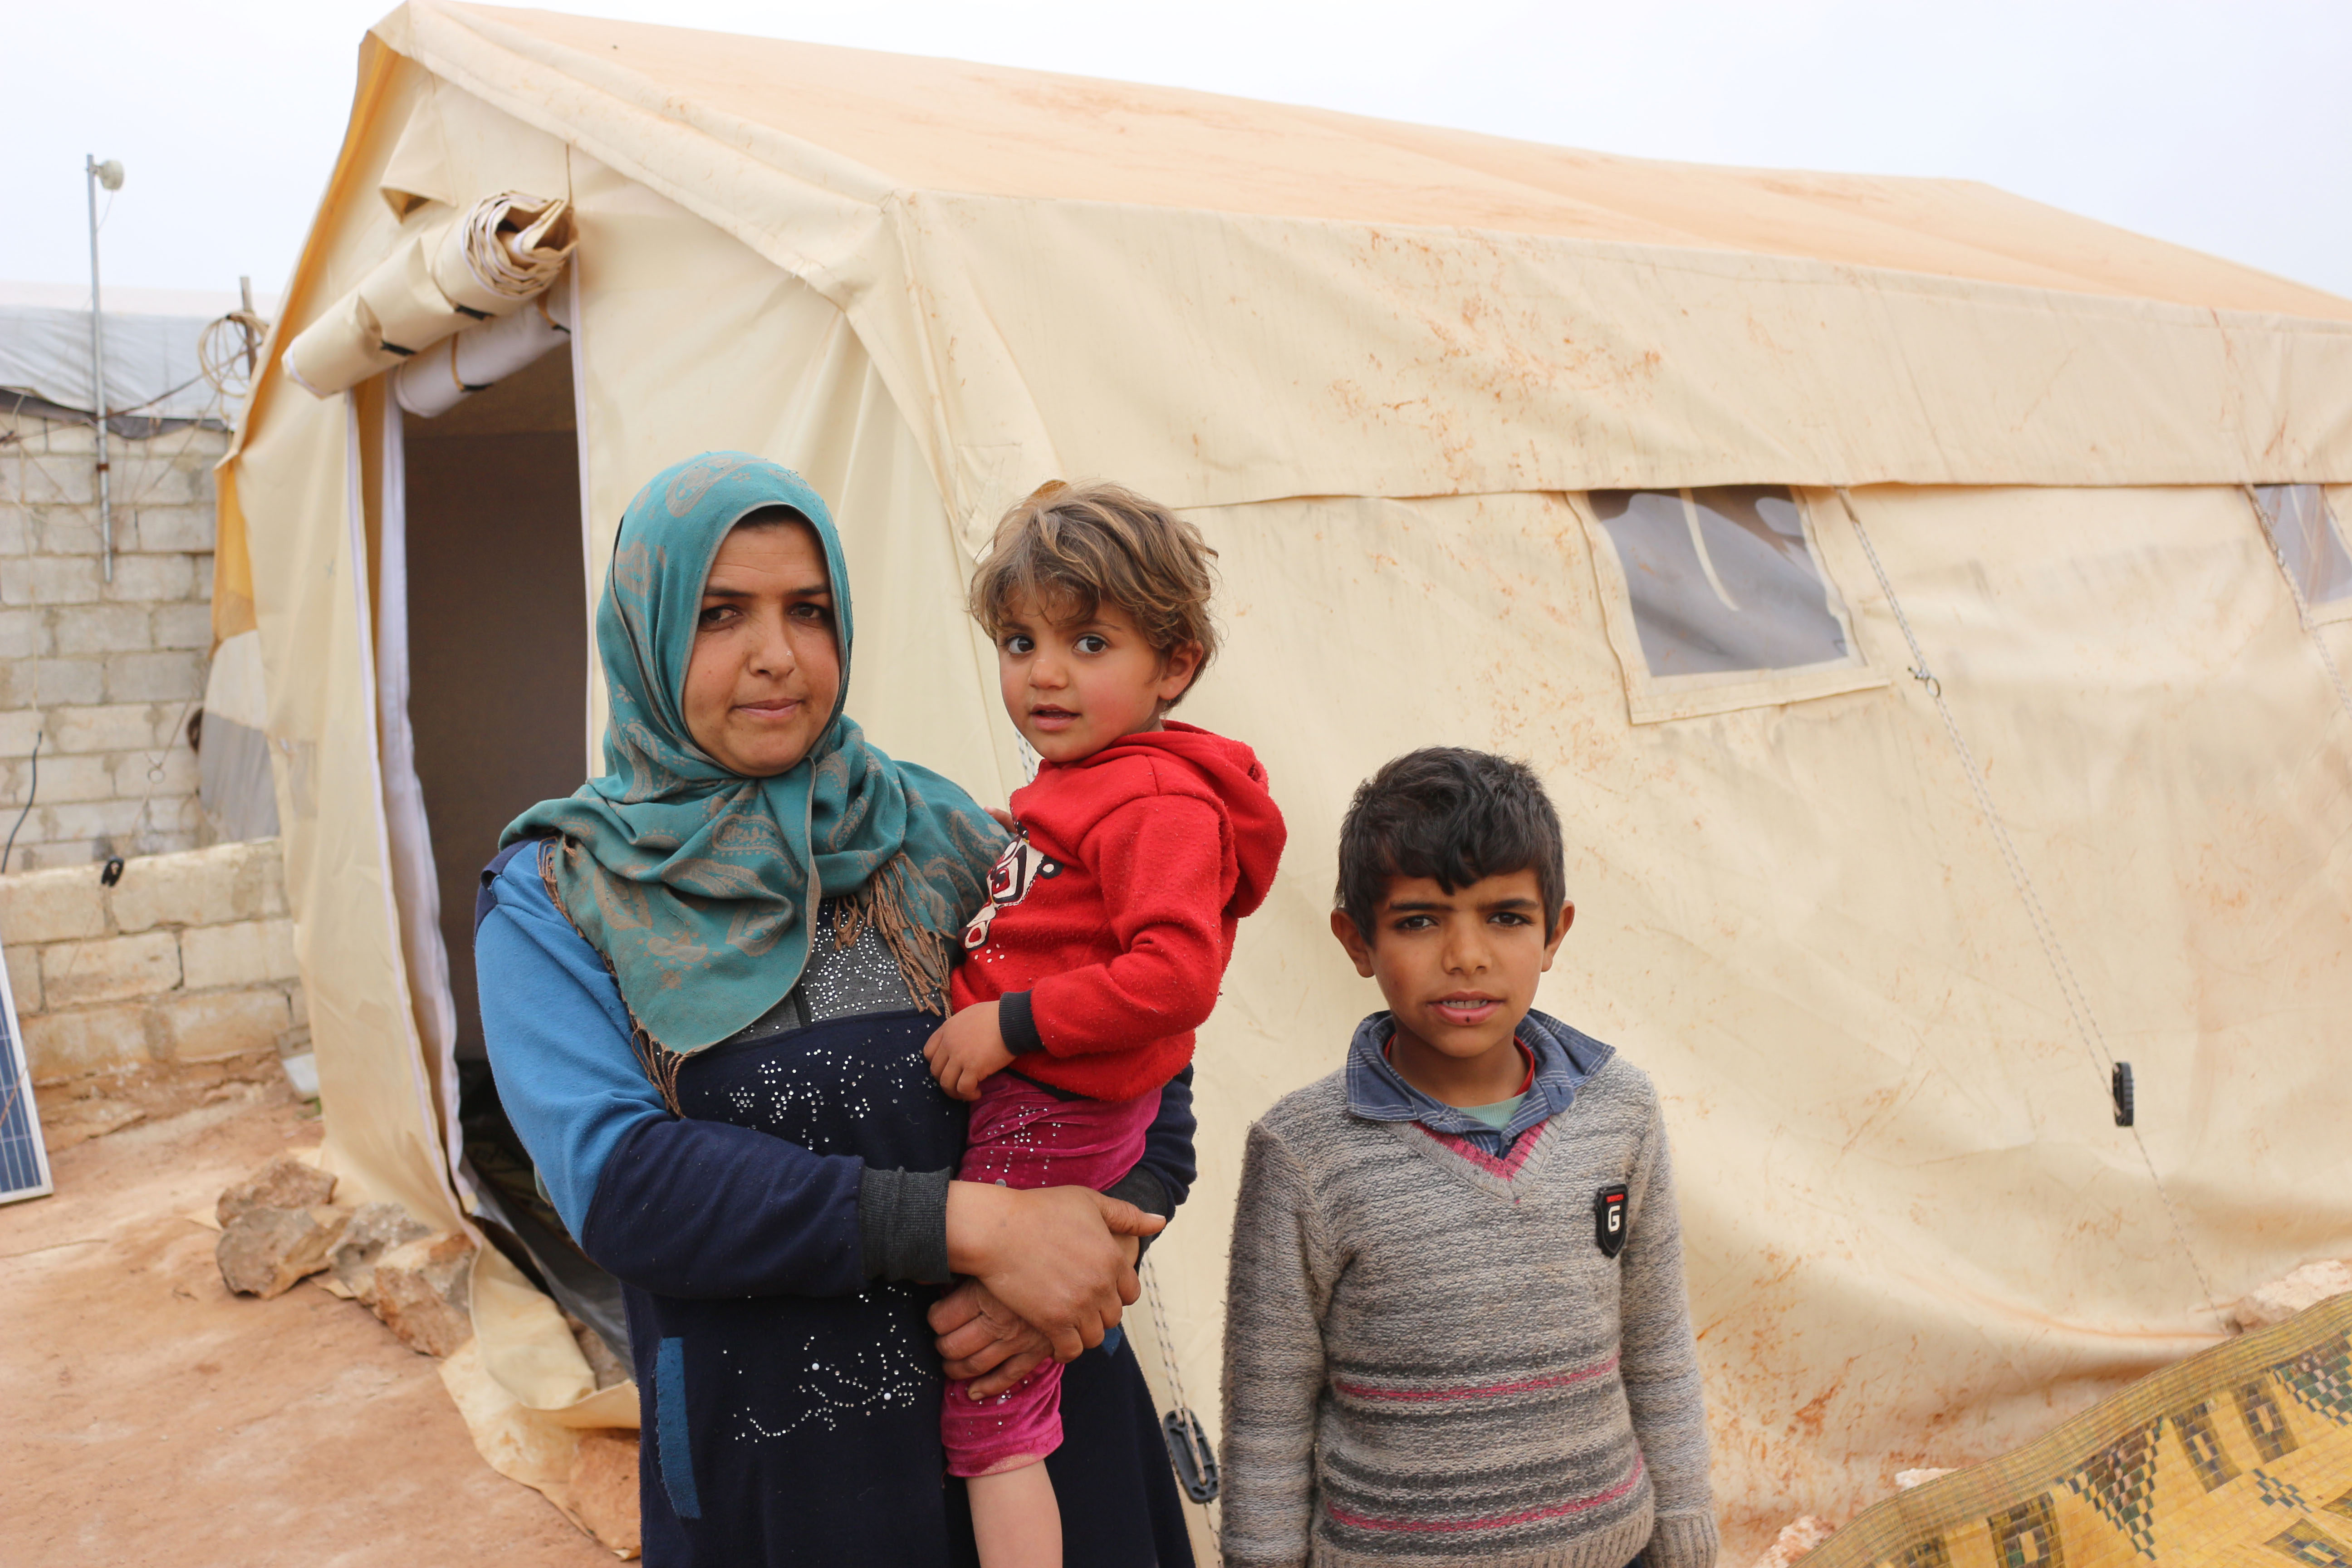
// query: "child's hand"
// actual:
[[966, 1049]]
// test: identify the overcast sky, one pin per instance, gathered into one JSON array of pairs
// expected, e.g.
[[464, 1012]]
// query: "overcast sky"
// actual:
[[2224, 127]]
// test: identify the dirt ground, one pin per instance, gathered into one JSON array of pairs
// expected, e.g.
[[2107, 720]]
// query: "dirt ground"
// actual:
[[153, 1418]]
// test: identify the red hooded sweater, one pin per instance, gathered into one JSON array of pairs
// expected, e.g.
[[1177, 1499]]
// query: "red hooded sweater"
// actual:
[[1111, 914]]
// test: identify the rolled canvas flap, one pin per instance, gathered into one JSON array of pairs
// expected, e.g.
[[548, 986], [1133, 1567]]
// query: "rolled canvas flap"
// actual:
[[454, 368], [503, 250], [484, 262]]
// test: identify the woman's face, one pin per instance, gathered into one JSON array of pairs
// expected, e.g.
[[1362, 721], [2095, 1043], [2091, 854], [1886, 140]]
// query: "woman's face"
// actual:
[[760, 686]]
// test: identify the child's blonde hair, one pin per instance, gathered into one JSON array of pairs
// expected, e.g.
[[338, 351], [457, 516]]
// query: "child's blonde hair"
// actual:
[[1070, 549]]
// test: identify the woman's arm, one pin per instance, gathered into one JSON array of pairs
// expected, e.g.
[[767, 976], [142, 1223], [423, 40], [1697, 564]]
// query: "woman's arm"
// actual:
[[681, 1207], [686, 1207]]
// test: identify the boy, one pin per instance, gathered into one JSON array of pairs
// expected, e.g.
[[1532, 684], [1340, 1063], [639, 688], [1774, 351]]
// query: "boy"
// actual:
[[1455, 1328], [1138, 847]]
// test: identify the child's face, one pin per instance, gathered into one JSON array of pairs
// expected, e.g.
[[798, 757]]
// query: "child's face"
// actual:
[[1073, 687], [1458, 969]]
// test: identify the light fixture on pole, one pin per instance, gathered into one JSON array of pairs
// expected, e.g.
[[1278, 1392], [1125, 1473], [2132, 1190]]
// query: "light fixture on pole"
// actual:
[[110, 174]]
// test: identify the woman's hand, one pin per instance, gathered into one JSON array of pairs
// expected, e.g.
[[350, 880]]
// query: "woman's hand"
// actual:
[[965, 1049], [982, 1343], [1057, 1258]]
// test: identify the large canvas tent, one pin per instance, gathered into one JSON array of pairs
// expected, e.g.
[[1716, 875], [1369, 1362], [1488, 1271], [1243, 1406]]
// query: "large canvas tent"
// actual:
[[1926, 606]]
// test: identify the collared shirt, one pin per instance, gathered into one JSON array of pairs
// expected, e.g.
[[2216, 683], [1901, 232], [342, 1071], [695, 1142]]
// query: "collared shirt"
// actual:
[[1564, 1057]]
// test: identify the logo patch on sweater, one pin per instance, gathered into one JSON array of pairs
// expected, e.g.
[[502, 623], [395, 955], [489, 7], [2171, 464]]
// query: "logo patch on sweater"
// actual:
[[1016, 869], [1608, 1219]]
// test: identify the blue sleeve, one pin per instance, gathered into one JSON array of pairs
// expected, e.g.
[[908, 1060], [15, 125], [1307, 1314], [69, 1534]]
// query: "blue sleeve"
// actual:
[[677, 1207], [1162, 1179], [1167, 1141]]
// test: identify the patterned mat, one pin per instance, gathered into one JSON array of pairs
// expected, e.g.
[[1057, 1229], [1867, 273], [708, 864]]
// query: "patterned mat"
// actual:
[[2241, 1455]]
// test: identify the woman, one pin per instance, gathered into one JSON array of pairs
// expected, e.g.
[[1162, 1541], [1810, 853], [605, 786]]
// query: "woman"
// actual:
[[707, 978]]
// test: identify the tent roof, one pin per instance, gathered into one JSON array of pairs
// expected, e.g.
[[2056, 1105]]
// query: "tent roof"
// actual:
[[1223, 302], [905, 122]]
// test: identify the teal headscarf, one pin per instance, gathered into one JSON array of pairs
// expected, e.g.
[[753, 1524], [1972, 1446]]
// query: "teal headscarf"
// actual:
[[700, 885]]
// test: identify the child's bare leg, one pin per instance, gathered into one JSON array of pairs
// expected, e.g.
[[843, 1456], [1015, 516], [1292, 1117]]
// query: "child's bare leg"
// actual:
[[1015, 1521]]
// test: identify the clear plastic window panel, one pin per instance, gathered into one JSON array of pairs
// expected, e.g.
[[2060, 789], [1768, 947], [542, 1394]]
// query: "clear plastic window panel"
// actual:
[[1721, 579], [2307, 541]]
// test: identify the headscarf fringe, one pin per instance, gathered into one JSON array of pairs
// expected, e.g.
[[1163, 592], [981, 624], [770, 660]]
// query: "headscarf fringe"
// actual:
[[885, 904], [660, 1063]]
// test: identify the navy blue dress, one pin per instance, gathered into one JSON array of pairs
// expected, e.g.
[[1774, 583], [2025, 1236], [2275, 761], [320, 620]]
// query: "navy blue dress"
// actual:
[[791, 1394]]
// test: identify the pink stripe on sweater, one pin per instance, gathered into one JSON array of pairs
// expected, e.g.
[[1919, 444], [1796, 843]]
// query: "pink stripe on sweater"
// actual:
[[1500, 1520], [1506, 1167], [1525, 1386]]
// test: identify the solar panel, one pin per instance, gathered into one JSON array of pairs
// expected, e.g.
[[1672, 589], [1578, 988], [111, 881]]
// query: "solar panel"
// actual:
[[24, 1163]]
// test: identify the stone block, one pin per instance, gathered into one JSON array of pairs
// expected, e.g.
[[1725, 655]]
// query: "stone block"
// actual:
[[64, 905], [69, 680], [159, 480], [166, 774], [103, 628], [24, 980], [112, 727], [17, 731], [250, 953], [61, 475], [66, 531], [188, 625], [224, 1024], [265, 1252], [155, 677], [24, 633], [91, 822], [49, 579], [423, 1292], [2283, 1298], [375, 1229], [187, 529], [63, 778], [201, 888], [603, 1489], [110, 969], [299, 1001], [284, 1182], [85, 1040], [66, 437], [150, 578]]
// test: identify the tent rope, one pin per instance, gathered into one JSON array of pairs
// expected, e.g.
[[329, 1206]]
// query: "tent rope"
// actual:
[[2301, 604], [2078, 1005], [1159, 1331]]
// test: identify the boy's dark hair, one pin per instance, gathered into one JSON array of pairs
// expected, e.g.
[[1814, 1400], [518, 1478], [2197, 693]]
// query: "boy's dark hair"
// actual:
[[1455, 816], [1077, 547]]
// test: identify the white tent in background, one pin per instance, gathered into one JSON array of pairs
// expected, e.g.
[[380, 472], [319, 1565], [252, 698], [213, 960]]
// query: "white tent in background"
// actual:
[[1934, 722]]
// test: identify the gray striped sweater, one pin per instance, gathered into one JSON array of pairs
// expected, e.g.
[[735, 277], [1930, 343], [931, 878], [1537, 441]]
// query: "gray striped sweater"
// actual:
[[1430, 1359]]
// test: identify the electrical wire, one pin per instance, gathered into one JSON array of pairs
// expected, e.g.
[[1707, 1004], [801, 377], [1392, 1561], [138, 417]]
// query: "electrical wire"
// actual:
[[31, 791]]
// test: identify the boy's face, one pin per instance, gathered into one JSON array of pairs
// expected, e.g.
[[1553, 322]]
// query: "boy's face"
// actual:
[[1074, 686], [1458, 969]]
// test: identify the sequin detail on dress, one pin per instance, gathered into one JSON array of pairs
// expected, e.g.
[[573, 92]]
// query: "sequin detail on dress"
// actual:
[[839, 983]]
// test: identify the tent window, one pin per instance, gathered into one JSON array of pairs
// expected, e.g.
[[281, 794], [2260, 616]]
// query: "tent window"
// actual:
[[2308, 542], [1722, 580]]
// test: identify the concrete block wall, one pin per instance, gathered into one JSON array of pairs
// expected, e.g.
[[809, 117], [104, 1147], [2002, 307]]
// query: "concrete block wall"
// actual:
[[107, 673], [190, 956]]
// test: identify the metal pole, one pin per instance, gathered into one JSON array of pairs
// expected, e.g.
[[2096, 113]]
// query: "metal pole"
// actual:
[[98, 377]]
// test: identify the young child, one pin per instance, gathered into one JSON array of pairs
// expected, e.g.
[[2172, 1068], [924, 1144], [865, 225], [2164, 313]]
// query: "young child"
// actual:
[[1455, 1328], [1140, 844]]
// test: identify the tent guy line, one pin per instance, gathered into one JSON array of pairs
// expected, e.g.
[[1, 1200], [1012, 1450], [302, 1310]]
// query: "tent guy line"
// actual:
[[2078, 1005]]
